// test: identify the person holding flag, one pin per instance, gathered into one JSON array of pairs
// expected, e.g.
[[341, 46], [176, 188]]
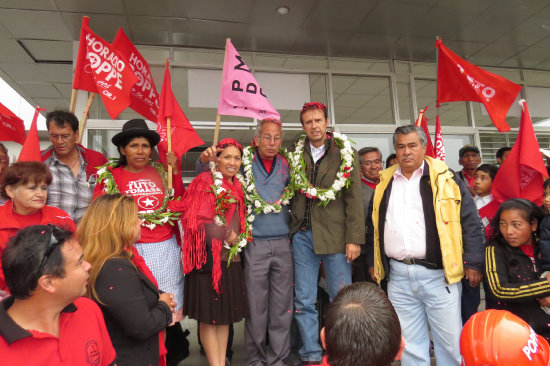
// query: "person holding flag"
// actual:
[[146, 181]]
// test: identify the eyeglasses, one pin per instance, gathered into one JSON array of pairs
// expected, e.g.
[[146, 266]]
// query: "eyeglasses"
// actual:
[[63, 137], [269, 138], [371, 162], [54, 242]]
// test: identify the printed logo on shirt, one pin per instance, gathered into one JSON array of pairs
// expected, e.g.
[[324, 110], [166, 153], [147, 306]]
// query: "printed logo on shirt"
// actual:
[[93, 354], [147, 202]]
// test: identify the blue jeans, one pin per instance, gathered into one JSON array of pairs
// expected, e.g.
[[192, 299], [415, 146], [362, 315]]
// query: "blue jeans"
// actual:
[[421, 296], [306, 274]]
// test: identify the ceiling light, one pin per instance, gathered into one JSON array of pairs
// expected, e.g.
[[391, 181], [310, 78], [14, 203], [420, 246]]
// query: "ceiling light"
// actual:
[[283, 10]]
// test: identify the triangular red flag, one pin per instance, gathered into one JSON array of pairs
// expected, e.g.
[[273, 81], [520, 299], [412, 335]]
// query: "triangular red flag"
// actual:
[[12, 127], [113, 77], [523, 172], [422, 122], [459, 80], [31, 148], [184, 136], [439, 146], [144, 98]]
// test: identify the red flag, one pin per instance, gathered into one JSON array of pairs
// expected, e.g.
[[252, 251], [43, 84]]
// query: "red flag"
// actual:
[[523, 172], [439, 147], [183, 134], [422, 122], [31, 147], [459, 80], [144, 98], [12, 127], [100, 62]]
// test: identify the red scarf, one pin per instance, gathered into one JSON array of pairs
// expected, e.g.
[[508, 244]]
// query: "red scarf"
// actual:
[[199, 209], [140, 264]]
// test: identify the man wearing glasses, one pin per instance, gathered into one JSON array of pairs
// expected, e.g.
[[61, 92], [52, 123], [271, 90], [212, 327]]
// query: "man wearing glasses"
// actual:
[[73, 166], [46, 321], [371, 163]]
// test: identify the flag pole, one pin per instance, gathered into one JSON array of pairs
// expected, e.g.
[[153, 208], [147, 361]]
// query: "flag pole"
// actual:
[[85, 116], [73, 101], [169, 138], [218, 116], [437, 105]]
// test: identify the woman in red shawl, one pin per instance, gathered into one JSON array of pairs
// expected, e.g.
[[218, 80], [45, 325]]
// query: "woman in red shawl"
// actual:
[[214, 220]]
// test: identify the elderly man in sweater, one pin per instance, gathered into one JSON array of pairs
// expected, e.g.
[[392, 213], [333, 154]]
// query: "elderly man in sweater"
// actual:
[[268, 258]]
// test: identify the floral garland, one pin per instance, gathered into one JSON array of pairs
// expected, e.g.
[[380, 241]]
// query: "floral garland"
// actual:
[[254, 201], [167, 213], [302, 183], [223, 202]]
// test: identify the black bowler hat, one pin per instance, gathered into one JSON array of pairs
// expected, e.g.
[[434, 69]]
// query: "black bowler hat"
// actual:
[[136, 128]]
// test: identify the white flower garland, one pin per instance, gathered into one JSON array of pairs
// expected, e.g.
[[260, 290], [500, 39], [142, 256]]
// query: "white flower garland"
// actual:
[[242, 238], [255, 203], [342, 180]]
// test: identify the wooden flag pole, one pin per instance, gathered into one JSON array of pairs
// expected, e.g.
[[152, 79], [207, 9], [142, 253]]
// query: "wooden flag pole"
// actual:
[[85, 116], [218, 116], [217, 130], [169, 138], [73, 100]]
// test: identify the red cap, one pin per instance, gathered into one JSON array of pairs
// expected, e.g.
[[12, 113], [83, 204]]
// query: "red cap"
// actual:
[[498, 337]]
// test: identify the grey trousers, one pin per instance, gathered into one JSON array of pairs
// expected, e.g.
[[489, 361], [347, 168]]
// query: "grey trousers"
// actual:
[[268, 272]]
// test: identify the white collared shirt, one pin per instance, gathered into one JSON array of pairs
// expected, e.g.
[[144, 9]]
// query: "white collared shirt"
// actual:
[[317, 152], [482, 201], [404, 229]]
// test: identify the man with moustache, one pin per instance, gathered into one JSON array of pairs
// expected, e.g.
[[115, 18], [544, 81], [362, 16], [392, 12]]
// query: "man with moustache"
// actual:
[[427, 236], [73, 167]]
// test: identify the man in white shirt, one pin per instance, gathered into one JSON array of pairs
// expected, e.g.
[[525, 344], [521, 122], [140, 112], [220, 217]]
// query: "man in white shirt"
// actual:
[[428, 236]]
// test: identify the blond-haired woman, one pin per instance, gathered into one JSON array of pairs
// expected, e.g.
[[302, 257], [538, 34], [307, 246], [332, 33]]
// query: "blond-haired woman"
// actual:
[[120, 282]]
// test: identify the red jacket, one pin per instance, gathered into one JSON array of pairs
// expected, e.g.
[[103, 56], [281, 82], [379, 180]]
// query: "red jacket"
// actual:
[[9, 226]]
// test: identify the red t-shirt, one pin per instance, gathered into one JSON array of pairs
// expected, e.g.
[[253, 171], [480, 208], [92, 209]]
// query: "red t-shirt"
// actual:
[[369, 183], [147, 190], [83, 339], [470, 180], [267, 164]]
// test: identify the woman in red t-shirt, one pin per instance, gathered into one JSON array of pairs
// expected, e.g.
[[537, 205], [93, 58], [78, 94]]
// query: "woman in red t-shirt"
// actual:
[[135, 175], [25, 186]]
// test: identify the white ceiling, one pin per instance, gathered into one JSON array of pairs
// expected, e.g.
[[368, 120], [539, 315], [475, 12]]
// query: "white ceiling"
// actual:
[[36, 35]]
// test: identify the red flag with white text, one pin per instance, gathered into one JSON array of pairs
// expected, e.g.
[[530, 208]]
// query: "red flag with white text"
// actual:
[[144, 98], [241, 94], [422, 122], [523, 172], [439, 146], [98, 61], [460, 80], [12, 127], [184, 136], [31, 147]]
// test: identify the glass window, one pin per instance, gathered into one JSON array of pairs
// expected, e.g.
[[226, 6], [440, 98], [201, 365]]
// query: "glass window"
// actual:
[[451, 114], [362, 100]]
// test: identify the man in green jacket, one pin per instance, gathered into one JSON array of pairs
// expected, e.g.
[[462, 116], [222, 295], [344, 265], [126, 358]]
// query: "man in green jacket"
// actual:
[[327, 219]]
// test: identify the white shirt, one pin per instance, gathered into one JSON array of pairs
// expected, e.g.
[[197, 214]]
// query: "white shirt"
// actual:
[[404, 229], [317, 152], [482, 201]]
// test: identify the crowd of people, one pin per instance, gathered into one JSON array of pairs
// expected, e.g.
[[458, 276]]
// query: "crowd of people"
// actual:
[[101, 260]]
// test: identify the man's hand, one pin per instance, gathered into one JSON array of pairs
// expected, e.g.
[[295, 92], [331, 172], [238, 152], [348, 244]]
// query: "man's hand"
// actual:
[[352, 251], [209, 155], [473, 276]]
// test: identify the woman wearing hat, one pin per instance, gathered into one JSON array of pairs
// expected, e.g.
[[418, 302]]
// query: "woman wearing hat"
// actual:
[[135, 175]]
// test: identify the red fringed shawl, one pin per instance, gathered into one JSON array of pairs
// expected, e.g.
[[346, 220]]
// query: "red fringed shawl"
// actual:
[[199, 204]]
